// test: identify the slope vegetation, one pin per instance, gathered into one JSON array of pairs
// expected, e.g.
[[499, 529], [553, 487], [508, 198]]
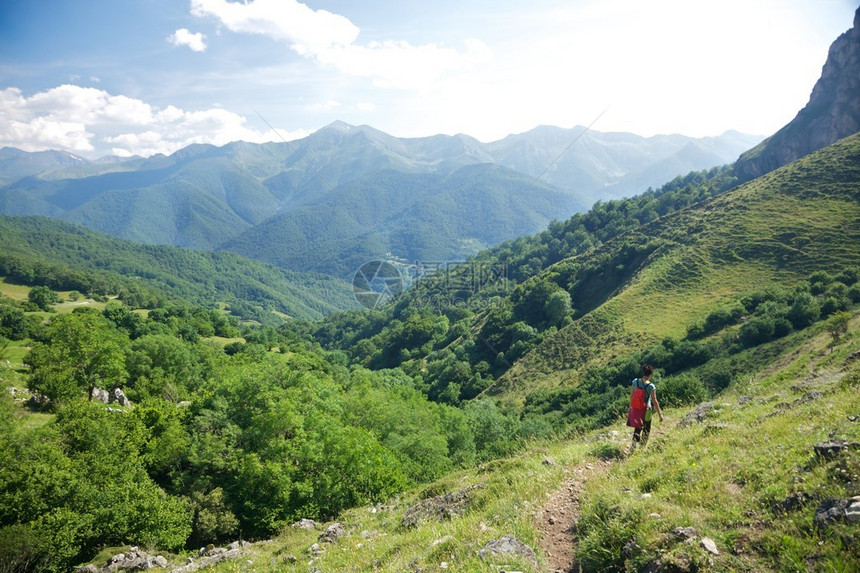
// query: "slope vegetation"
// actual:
[[44, 251], [415, 217], [656, 281]]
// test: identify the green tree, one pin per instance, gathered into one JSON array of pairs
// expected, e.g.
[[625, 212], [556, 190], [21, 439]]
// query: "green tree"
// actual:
[[13, 322], [43, 297], [804, 310], [837, 325], [83, 351], [557, 307]]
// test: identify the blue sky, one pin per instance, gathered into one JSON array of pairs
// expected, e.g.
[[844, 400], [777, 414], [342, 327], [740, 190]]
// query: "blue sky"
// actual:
[[145, 76]]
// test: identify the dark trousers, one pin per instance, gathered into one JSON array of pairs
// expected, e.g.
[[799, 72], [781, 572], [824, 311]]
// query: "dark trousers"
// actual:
[[640, 435]]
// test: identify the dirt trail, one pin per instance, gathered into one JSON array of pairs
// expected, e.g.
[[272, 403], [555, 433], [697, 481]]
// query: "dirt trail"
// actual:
[[557, 518]]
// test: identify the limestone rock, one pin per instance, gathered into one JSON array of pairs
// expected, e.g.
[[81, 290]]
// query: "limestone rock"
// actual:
[[438, 507], [507, 546], [685, 532], [100, 395], [833, 112], [118, 396], [709, 545], [852, 514], [305, 524], [332, 533], [830, 511], [697, 415], [132, 560], [831, 449]]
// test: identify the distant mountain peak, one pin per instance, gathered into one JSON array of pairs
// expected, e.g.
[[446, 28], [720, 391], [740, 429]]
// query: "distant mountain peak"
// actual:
[[338, 125]]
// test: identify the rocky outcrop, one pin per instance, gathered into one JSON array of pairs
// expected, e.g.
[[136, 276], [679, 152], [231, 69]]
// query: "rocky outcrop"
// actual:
[[115, 396], [831, 449], [132, 560], [833, 112], [332, 533], [439, 507], [831, 511], [697, 415], [305, 524], [505, 547]]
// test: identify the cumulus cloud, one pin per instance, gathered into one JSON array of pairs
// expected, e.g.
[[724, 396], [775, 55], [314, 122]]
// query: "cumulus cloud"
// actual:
[[330, 39], [183, 37], [93, 122]]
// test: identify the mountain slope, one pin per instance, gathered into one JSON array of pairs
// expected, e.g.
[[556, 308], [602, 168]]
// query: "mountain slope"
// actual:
[[15, 164], [833, 112], [604, 166], [35, 245], [414, 216], [204, 197], [658, 280]]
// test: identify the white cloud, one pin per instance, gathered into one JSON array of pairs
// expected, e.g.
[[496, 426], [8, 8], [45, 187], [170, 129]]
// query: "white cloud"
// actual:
[[94, 122], [365, 106], [330, 39], [183, 37], [324, 105], [310, 31]]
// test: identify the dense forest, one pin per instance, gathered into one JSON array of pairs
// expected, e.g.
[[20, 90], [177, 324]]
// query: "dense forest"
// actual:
[[219, 443], [41, 251]]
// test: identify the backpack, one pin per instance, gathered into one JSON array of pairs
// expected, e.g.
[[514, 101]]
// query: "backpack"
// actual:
[[637, 401]]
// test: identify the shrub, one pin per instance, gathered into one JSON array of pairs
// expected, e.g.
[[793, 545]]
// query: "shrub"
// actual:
[[756, 331], [804, 310], [681, 389]]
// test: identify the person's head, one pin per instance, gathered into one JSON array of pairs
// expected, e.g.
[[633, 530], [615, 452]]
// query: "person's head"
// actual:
[[647, 370]]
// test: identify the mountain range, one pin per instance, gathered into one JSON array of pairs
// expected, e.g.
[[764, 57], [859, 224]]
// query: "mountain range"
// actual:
[[348, 194]]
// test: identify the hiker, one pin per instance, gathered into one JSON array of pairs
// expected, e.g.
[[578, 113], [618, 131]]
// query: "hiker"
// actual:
[[643, 399]]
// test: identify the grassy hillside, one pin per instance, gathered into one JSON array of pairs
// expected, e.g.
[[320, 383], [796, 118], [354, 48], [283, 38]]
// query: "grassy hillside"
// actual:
[[656, 281], [745, 477], [64, 256]]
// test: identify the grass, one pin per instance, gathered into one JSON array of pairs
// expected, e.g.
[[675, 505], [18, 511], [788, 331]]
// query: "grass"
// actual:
[[20, 293], [223, 341], [773, 231], [721, 477], [13, 291]]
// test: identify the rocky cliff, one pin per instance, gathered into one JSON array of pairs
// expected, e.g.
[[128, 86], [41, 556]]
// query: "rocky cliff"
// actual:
[[833, 112]]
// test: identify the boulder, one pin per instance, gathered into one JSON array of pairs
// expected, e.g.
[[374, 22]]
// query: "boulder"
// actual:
[[697, 415], [439, 507], [332, 533], [305, 524], [507, 546], [100, 395], [829, 512], [118, 396], [831, 449], [709, 545]]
